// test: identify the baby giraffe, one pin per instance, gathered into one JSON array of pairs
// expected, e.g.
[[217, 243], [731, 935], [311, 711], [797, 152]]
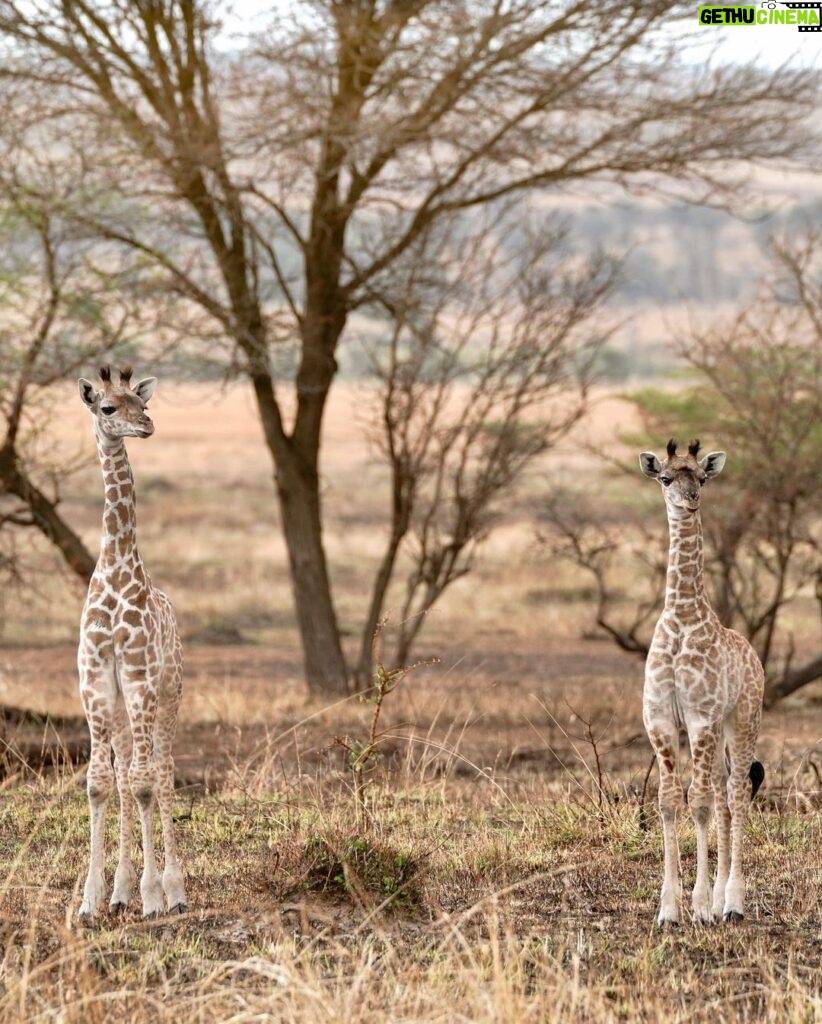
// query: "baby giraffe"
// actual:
[[708, 680], [131, 671]]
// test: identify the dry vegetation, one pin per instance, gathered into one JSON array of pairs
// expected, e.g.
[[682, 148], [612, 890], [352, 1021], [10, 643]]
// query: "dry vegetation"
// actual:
[[510, 870]]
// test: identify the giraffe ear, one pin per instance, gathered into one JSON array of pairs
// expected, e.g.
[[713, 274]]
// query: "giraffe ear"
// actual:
[[713, 464], [650, 465], [87, 392], [144, 388]]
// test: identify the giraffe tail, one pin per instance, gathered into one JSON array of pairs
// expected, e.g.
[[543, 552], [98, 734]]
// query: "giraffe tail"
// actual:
[[757, 776]]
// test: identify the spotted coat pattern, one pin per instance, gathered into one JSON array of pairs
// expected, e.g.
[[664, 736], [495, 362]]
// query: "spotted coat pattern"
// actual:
[[131, 670], [707, 680]]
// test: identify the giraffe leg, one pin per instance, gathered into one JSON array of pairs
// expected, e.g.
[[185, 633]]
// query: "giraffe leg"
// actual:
[[96, 695], [173, 879], [664, 742], [723, 829], [142, 780], [739, 799], [124, 876], [141, 704], [700, 798]]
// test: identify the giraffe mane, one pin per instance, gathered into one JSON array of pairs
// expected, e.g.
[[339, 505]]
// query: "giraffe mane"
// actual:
[[671, 448]]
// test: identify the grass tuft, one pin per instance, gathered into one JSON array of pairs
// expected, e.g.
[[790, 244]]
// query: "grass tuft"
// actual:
[[364, 870]]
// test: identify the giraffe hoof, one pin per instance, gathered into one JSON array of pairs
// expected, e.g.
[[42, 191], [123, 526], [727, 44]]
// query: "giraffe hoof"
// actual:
[[152, 916], [665, 923], [117, 909], [87, 920], [179, 908], [734, 917]]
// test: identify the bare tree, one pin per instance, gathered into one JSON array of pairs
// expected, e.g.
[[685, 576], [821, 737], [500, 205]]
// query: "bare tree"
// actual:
[[759, 391], [275, 188], [58, 312], [486, 365], [575, 530]]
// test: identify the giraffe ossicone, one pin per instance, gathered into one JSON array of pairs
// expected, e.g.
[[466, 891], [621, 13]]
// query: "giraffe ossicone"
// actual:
[[707, 680], [131, 671]]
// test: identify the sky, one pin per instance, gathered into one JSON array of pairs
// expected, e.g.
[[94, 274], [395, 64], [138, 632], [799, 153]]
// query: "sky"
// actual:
[[768, 45]]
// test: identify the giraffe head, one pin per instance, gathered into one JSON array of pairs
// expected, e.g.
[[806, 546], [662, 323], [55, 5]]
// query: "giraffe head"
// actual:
[[119, 409], [682, 476]]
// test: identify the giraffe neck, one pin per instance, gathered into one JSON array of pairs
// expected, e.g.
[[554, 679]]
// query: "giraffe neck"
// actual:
[[685, 590], [119, 536]]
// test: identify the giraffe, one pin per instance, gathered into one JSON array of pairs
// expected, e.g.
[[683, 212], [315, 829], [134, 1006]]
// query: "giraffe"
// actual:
[[131, 669], [706, 679]]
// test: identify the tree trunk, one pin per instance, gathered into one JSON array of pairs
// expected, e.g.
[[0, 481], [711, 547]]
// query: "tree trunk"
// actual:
[[45, 516], [298, 489], [365, 666], [793, 681], [296, 470], [408, 636]]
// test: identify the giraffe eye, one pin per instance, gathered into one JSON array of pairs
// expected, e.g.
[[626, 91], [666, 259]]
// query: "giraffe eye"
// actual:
[[107, 410], [666, 481]]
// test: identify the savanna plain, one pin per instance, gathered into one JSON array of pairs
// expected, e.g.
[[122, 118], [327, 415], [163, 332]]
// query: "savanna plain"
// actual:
[[506, 862]]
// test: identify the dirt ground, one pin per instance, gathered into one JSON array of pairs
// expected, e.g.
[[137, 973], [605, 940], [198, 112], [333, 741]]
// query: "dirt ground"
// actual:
[[528, 711]]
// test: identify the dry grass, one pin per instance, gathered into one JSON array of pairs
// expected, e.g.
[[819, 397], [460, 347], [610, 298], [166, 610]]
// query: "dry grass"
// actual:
[[474, 896], [505, 875]]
